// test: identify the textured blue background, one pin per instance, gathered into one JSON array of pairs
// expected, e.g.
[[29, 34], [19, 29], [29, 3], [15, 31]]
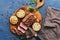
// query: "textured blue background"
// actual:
[[7, 8]]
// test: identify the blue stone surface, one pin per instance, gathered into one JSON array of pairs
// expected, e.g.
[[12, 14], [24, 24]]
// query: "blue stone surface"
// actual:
[[8, 7]]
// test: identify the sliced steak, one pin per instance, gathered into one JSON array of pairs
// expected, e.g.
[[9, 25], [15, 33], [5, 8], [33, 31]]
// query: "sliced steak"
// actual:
[[23, 26], [29, 19], [20, 29]]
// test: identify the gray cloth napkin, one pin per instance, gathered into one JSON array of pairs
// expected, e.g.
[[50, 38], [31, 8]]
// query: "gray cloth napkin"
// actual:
[[51, 28], [52, 24]]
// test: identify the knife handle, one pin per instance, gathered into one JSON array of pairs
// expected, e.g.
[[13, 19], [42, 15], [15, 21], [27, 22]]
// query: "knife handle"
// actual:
[[37, 38]]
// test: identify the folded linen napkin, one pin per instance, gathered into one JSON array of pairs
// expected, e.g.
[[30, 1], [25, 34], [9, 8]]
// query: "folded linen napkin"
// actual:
[[51, 28]]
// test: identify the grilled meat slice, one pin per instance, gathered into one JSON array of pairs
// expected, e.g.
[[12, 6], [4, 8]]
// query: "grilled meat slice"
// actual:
[[29, 19]]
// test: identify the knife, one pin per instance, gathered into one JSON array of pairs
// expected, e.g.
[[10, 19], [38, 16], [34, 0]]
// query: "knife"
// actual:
[[34, 33]]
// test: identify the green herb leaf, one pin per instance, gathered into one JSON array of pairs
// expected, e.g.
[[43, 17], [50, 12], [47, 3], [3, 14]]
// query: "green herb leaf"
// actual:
[[35, 9], [21, 37], [32, 1], [29, 8]]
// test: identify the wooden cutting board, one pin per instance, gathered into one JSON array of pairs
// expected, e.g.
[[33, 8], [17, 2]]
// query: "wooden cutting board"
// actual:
[[13, 28]]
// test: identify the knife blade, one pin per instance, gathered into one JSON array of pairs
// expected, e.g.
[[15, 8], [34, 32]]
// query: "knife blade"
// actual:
[[34, 33]]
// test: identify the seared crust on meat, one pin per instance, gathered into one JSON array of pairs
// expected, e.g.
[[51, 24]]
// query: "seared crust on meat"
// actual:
[[29, 19]]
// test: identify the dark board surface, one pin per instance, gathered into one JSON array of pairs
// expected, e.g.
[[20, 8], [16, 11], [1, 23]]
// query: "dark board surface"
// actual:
[[7, 8]]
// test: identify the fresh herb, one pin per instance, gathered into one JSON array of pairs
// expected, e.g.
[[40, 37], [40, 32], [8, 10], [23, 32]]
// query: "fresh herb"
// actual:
[[35, 9], [21, 37], [33, 1], [29, 8]]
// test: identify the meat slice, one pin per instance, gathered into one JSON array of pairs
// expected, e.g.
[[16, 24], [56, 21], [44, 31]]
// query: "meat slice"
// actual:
[[29, 19], [23, 26], [20, 29]]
